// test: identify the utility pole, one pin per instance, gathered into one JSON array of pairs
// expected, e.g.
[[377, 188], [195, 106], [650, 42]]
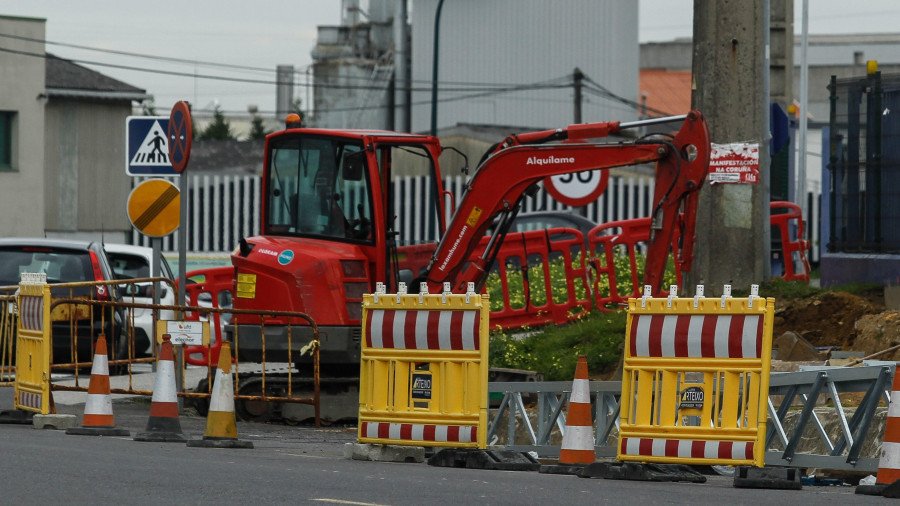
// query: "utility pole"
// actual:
[[730, 74], [434, 66], [578, 83]]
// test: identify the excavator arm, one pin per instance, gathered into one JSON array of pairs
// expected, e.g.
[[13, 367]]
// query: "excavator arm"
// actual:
[[514, 166]]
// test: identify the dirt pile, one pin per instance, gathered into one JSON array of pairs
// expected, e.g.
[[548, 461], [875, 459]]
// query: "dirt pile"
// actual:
[[841, 320]]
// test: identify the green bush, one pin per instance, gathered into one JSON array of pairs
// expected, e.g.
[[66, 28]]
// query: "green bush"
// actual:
[[555, 350]]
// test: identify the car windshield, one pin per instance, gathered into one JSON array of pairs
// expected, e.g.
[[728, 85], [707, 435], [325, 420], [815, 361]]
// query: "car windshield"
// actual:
[[130, 266], [60, 265], [316, 187]]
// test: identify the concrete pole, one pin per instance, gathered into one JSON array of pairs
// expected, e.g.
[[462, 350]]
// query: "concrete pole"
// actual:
[[804, 104], [730, 88], [578, 80]]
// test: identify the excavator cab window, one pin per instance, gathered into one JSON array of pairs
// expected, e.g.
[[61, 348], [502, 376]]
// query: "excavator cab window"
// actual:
[[307, 194]]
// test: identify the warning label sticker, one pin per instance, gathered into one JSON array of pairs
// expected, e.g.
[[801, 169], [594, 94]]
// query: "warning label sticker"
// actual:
[[734, 163]]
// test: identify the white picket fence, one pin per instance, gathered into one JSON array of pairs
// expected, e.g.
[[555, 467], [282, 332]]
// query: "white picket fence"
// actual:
[[224, 208]]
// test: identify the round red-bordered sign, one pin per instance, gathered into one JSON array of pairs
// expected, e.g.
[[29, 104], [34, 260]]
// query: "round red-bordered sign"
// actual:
[[180, 135], [577, 189]]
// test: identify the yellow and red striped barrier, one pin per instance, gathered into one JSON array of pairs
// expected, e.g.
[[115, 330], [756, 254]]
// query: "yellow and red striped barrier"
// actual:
[[424, 369], [696, 375]]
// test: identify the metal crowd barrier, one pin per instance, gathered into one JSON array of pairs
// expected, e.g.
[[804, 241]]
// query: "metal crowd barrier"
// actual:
[[797, 427], [8, 321], [547, 425], [72, 309], [847, 450]]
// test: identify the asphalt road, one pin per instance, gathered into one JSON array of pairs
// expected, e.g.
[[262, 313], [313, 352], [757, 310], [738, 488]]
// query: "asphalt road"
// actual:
[[304, 465]]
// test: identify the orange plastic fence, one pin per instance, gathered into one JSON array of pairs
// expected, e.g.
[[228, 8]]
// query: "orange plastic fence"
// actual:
[[626, 237], [548, 272], [796, 263], [214, 281], [554, 278]]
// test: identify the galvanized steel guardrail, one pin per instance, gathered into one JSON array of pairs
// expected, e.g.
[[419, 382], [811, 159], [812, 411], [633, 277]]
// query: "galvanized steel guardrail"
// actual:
[[844, 452], [797, 408]]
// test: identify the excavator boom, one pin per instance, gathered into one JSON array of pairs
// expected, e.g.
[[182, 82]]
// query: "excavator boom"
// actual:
[[682, 163]]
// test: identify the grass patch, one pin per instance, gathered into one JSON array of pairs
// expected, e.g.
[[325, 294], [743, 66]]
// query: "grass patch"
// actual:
[[554, 351]]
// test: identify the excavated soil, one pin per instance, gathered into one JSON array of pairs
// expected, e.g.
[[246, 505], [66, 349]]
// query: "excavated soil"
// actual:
[[841, 320]]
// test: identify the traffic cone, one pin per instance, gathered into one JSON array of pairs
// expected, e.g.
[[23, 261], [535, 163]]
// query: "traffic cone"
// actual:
[[98, 413], [889, 464], [163, 425], [886, 481], [221, 431], [578, 441]]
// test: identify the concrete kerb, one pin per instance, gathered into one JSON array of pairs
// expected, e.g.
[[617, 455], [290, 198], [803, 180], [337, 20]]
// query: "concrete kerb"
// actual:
[[384, 453]]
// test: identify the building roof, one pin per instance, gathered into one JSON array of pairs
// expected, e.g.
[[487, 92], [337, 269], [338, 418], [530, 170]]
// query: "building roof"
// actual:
[[68, 79], [227, 156], [667, 91]]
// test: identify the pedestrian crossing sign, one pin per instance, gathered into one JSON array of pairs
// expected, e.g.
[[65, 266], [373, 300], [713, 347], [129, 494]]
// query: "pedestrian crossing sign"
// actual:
[[146, 147]]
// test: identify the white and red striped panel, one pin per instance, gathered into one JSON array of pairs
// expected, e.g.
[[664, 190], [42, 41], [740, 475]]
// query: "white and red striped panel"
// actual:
[[32, 312], [30, 400], [687, 449], [420, 432], [696, 336], [423, 330]]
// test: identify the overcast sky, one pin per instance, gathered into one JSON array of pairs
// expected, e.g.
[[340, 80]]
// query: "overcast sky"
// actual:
[[262, 34]]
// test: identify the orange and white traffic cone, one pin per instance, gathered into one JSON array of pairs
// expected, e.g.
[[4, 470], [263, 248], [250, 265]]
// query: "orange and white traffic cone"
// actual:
[[578, 441], [889, 463], [98, 413], [886, 481], [163, 425], [221, 430]]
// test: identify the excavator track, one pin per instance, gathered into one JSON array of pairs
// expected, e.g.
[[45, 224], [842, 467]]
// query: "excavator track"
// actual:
[[338, 399]]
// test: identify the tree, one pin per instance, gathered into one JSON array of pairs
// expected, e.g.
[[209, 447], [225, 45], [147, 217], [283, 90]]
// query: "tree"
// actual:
[[218, 129], [297, 107], [148, 107], [257, 128]]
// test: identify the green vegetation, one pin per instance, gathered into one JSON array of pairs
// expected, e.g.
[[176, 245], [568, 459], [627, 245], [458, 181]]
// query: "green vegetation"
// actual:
[[554, 349], [218, 129], [257, 129]]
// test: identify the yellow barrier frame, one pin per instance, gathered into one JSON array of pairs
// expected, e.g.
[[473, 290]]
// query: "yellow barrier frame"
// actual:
[[695, 380], [424, 369], [32, 386]]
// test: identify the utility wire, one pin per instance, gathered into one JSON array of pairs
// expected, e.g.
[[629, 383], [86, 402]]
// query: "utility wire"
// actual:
[[300, 71], [600, 90], [137, 55], [264, 81], [480, 89]]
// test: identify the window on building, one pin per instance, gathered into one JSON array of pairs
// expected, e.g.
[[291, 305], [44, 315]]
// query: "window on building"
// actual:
[[6, 139]]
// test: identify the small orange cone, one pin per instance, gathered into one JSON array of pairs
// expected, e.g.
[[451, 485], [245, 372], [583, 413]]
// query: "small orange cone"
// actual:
[[98, 413], [221, 431], [889, 464], [578, 441], [163, 425]]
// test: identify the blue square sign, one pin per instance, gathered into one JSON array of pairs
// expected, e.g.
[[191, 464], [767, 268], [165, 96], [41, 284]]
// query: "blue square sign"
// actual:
[[146, 147]]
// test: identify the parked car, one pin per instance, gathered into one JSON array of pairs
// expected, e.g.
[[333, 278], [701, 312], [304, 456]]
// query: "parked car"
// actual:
[[65, 261], [540, 220], [132, 262], [545, 220]]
